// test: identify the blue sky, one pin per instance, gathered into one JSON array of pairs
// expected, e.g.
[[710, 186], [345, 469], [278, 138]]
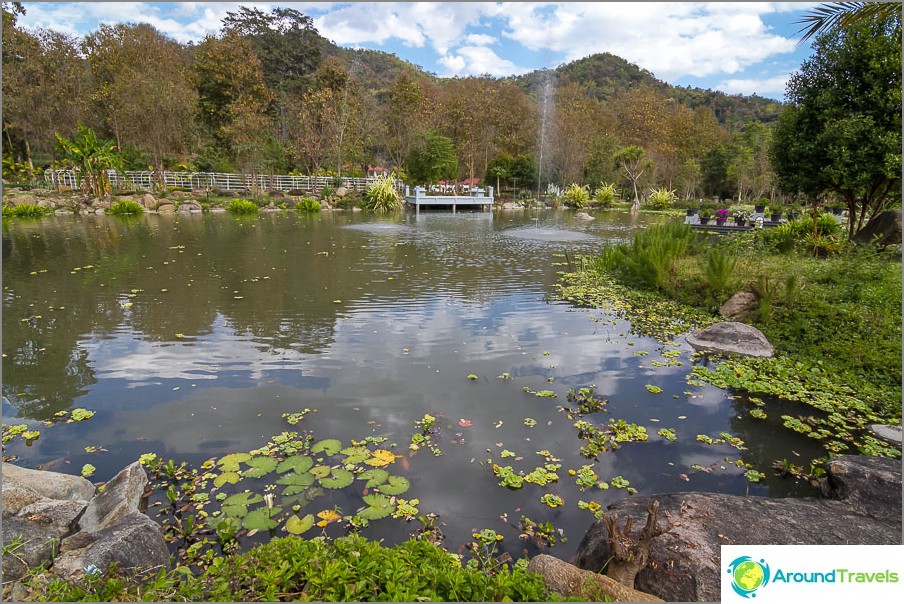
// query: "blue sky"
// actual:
[[735, 47]]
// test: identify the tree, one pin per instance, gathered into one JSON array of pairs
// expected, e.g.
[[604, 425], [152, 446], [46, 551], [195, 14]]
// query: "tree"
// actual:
[[402, 117], [150, 109], [288, 48], [633, 162], [842, 131], [432, 159], [233, 98]]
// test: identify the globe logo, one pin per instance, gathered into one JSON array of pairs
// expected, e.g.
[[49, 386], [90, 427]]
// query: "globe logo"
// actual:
[[748, 575]]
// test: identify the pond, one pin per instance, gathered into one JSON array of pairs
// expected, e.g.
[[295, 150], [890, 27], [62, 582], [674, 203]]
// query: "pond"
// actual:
[[191, 336]]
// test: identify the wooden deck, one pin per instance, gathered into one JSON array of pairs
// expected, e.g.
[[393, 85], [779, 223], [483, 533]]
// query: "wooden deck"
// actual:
[[476, 198]]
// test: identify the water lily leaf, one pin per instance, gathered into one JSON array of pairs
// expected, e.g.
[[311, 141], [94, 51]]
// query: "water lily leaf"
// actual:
[[381, 457], [374, 477], [320, 471], [230, 477], [329, 446], [328, 517], [260, 466], [355, 455], [261, 519], [243, 498], [297, 480], [297, 526], [395, 486], [235, 511], [378, 506], [340, 479], [230, 463], [299, 463]]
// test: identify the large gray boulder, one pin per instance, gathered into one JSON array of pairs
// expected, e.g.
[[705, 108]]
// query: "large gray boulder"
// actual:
[[731, 337], [115, 529], [884, 229], [864, 507], [40, 509]]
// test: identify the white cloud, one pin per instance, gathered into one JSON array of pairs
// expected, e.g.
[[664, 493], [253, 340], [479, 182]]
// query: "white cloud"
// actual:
[[479, 60], [670, 39], [761, 87], [480, 40]]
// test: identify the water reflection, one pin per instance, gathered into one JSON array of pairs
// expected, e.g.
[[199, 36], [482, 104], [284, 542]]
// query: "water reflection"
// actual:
[[190, 336]]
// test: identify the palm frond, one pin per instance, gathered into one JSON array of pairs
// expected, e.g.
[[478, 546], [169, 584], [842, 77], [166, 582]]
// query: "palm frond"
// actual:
[[827, 17]]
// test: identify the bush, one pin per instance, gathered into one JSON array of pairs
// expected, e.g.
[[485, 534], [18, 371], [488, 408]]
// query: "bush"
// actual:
[[655, 252], [576, 196], [25, 210], [606, 195], [348, 569], [125, 207], [383, 195], [307, 204], [242, 206], [660, 199], [719, 269]]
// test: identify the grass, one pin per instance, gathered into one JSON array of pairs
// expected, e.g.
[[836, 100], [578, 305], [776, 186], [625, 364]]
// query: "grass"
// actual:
[[346, 569], [835, 321], [25, 210], [242, 206], [125, 207]]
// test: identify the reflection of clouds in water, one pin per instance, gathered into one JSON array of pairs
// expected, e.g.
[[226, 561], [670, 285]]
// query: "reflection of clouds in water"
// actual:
[[709, 398]]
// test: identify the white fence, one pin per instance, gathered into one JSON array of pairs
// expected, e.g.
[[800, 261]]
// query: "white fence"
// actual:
[[213, 180]]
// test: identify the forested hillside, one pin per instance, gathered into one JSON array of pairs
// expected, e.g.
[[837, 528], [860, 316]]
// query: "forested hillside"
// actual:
[[269, 94]]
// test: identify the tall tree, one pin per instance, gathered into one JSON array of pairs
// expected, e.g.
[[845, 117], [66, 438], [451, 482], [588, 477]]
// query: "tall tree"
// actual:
[[633, 162], [287, 45], [149, 108], [842, 131], [233, 98]]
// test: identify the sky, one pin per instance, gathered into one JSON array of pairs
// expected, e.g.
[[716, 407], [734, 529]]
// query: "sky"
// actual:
[[735, 47]]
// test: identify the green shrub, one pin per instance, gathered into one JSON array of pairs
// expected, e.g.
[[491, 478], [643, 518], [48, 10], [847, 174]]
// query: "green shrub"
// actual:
[[307, 204], [576, 196], [126, 207], [25, 210], [606, 195], [242, 206], [383, 195], [652, 257], [348, 569], [719, 269], [660, 199]]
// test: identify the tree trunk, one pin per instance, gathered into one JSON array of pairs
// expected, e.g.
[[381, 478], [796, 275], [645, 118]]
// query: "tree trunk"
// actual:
[[630, 554]]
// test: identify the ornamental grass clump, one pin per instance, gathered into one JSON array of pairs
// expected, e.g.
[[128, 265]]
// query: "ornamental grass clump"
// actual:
[[242, 206], [606, 195], [383, 195], [307, 204], [660, 199], [126, 207], [576, 196], [25, 210]]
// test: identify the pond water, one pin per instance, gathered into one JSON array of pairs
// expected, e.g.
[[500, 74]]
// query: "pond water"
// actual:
[[190, 337]]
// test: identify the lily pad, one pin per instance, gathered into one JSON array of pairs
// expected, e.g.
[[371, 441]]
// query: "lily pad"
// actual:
[[243, 498], [230, 477], [329, 446], [339, 479], [320, 471], [230, 463], [260, 466], [235, 511], [304, 497], [299, 463], [261, 519], [381, 457], [299, 480], [374, 477], [355, 455], [395, 486], [378, 506], [297, 526]]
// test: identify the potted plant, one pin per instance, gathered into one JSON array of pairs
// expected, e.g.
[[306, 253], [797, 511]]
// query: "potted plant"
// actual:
[[759, 206], [793, 212], [721, 216], [741, 217], [705, 214], [775, 213]]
